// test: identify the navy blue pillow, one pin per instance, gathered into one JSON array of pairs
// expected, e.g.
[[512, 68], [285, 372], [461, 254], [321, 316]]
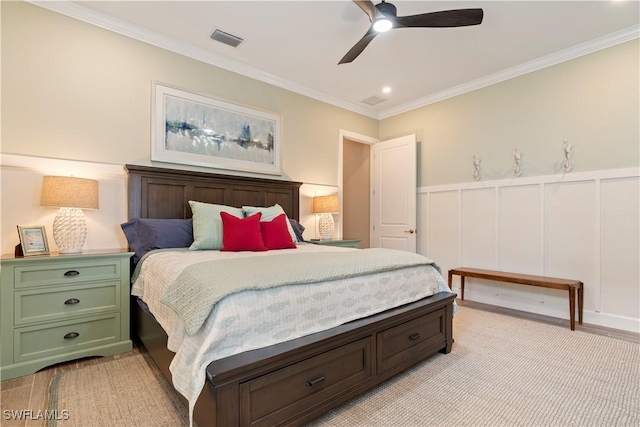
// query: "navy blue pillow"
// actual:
[[297, 229], [146, 234]]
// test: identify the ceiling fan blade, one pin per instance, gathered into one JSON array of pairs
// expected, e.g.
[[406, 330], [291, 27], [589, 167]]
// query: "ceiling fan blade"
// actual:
[[445, 18], [368, 8], [359, 47]]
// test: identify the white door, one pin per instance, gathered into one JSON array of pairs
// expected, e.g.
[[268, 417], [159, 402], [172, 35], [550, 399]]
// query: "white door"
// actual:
[[394, 194]]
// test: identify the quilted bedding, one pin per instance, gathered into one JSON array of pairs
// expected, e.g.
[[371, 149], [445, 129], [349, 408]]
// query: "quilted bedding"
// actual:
[[256, 318]]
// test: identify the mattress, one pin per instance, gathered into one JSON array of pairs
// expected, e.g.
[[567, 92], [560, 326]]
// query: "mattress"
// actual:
[[254, 319]]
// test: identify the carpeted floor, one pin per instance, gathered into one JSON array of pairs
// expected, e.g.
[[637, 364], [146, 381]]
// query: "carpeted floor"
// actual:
[[502, 371], [125, 392]]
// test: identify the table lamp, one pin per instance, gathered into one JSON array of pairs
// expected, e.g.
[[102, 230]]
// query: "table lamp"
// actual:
[[71, 195], [325, 206]]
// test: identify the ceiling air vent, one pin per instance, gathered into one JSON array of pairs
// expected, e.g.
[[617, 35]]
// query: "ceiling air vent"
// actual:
[[373, 100], [226, 38]]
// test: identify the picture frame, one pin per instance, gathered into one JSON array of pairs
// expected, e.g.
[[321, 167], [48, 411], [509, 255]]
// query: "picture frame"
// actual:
[[33, 240], [197, 130]]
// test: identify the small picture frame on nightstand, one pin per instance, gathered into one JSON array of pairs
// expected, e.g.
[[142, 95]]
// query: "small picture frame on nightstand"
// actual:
[[33, 240]]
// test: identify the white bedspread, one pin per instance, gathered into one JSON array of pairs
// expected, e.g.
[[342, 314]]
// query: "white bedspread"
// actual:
[[259, 318]]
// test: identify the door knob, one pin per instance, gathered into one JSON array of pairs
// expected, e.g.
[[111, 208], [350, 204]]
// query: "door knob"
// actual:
[[410, 231]]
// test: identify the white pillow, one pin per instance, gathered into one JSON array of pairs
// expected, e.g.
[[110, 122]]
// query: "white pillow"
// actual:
[[207, 224], [269, 214]]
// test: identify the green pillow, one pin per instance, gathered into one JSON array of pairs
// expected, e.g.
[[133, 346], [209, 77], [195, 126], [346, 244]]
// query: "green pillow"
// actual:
[[207, 224], [269, 214]]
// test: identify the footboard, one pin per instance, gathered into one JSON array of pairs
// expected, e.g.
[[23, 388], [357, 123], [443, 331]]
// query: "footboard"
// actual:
[[296, 381], [293, 382]]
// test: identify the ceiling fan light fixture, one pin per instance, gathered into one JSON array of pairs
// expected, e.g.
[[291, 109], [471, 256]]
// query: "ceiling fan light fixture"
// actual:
[[384, 17], [382, 25]]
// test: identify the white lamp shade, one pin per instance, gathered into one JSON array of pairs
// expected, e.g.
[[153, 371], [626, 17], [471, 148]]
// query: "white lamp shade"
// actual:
[[325, 204], [69, 192]]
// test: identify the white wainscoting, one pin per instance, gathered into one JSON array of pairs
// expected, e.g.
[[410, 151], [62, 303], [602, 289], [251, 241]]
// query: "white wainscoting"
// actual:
[[583, 226]]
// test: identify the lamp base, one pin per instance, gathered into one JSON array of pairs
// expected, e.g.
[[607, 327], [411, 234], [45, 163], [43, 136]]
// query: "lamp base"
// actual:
[[70, 251], [70, 230], [326, 226]]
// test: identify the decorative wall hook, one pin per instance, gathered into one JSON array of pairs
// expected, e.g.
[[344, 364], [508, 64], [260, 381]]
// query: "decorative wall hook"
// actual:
[[476, 168], [566, 163], [517, 156]]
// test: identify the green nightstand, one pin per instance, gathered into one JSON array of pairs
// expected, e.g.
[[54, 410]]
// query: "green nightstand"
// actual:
[[345, 243], [62, 307]]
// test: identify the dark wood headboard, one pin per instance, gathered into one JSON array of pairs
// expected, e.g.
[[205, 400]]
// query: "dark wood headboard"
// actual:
[[165, 193]]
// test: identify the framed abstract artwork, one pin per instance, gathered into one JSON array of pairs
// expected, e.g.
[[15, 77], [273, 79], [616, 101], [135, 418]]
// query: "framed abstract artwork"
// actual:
[[197, 130]]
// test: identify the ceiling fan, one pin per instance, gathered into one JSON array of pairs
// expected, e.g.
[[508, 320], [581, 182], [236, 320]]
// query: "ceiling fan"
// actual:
[[383, 17]]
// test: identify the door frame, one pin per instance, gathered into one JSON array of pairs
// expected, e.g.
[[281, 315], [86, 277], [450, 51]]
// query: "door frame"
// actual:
[[362, 139]]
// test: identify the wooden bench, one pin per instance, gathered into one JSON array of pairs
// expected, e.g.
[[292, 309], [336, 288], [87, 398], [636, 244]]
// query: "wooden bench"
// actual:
[[573, 286]]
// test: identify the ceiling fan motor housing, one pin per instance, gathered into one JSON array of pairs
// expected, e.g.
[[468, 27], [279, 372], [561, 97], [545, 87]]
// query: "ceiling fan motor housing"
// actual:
[[387, 9]]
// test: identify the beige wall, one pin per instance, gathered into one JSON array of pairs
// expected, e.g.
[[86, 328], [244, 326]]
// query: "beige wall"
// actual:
[[592, 101], [71, 90], [356, 189], [76, 100]]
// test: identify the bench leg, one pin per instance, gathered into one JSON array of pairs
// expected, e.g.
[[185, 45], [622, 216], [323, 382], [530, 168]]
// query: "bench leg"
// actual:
[[580, 301], [572, 307], [461, 284]]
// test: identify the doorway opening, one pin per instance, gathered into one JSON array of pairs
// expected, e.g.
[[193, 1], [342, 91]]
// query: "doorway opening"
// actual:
[[355, 181]]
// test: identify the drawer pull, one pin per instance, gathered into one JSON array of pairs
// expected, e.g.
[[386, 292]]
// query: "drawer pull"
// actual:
[[71, 335], [414, 337], [72, 301], [72, 273], [315, 381]]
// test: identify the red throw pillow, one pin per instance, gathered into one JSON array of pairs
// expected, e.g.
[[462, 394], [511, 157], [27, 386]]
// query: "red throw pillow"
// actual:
[[241, 234], [275, 233]]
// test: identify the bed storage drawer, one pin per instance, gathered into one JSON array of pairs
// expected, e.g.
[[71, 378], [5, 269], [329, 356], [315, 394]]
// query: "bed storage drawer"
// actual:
[[276, 397], [410, 340]]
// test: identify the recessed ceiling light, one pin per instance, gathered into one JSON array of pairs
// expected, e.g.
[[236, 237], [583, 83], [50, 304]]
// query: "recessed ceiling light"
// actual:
[[386, 89]]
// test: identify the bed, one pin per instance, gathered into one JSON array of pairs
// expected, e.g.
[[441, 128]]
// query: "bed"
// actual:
[[294, 381]]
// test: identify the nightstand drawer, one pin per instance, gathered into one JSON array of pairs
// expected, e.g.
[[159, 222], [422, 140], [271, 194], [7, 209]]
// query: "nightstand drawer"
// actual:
[[49, 304], [66, 272], [36, 342]]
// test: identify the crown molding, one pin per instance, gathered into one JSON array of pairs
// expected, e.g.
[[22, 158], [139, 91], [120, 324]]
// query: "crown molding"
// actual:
[[582, 49], [156, 39], [92, 17]]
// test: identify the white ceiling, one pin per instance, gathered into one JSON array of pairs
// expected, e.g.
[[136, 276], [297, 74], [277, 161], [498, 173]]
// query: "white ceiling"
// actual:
[[297, 44]]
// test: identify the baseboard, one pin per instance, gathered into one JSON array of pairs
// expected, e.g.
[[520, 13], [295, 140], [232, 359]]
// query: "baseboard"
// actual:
[[607, 320]]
